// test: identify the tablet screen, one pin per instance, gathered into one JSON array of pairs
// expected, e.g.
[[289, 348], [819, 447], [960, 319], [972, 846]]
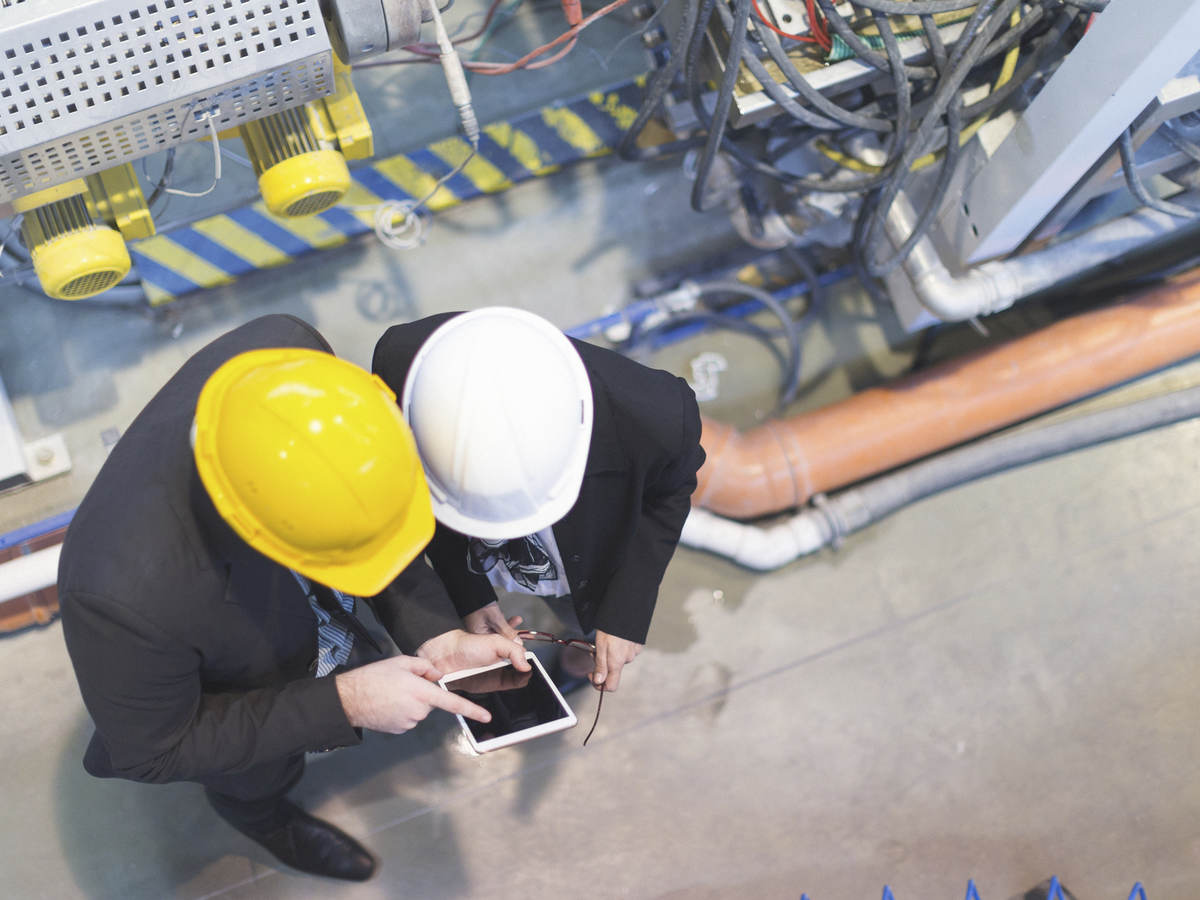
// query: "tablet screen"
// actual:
[[516, 700]]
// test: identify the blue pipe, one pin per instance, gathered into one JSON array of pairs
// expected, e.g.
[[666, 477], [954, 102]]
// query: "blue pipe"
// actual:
[[36, 530], [639, 310]]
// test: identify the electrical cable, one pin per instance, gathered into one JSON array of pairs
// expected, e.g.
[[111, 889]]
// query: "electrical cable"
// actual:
[[933, 40], [918, 115], [1006, 74], [775, 92], [658, 88], [914, 7], [1134, 181], [164, 179], [209, 118], [986, 20], [644, 335], [403, 224], [737, 42], [860, 47], [842, 118], [791, 383], [530, 60]]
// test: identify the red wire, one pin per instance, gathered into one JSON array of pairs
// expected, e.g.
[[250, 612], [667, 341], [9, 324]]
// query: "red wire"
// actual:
[[817, 26], [791, 37], [528, 61], [569, 37], [542, 63]]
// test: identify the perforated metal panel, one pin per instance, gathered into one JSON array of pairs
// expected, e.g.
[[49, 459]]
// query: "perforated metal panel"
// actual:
[[88, 85]]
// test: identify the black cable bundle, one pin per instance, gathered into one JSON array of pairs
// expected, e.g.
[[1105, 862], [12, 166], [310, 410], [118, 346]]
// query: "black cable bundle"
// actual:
[[919, 110]]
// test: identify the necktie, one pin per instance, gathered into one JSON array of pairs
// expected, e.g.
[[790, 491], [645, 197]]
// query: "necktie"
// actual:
[[338, 626], [344, 614]]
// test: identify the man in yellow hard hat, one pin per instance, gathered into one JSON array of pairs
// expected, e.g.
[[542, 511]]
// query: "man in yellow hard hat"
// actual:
[[208, 584]]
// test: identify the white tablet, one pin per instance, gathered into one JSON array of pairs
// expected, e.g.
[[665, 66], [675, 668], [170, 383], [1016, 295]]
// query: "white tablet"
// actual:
[[523, 705]]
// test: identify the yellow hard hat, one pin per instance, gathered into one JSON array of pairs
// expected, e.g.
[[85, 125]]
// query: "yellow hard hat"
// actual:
[[309, 460]]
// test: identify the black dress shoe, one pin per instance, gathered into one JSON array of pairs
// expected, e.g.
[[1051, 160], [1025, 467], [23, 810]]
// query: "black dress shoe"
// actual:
[[309, 844]]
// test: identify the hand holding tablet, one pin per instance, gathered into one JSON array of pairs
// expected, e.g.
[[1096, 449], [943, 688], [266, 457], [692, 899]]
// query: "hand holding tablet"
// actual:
[[523, 705]]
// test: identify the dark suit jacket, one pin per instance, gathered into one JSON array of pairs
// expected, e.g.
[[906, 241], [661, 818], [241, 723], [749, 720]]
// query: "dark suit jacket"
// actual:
[[619, 536], [192, 650]]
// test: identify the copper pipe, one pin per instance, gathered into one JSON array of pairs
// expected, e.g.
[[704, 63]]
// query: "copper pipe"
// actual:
[[779, 465]]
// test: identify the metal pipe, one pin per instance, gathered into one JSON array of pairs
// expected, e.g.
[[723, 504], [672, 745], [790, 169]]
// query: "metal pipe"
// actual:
[[781, 464]]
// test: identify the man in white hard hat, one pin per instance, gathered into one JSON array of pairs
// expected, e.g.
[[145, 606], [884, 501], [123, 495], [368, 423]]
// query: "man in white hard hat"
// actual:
[[556, 468]]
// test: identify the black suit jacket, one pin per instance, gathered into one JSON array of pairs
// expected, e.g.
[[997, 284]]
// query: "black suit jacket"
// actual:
[[619, 536], [191, 649]]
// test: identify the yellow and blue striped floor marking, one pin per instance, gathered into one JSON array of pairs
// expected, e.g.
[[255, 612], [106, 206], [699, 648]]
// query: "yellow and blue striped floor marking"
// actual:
[[219, 249]]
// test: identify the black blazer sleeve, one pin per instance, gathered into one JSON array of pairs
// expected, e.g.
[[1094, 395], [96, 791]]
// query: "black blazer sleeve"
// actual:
[[414, 607], [468, 590], [670, 478], [143, 690]]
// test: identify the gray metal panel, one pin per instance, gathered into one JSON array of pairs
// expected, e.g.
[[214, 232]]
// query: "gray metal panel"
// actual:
[[90, 85], [1181, 95], [1131, 51]]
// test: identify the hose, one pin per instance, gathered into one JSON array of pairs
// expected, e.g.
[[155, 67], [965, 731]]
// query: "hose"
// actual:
[[791, 329], [834, 517], [1134, 181]]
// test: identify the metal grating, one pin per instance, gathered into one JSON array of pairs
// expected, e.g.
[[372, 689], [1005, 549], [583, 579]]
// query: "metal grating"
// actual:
[[107, 81]]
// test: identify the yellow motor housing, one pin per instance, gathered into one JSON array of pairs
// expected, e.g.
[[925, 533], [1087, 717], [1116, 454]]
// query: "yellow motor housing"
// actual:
[[74, 256], [298, 174]]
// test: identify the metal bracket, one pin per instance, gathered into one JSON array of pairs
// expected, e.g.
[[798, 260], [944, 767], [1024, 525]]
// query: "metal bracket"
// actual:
[[1156, 155], [1131, 51]]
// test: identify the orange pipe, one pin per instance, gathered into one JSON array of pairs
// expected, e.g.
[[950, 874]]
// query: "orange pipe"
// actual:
[[781, 464]]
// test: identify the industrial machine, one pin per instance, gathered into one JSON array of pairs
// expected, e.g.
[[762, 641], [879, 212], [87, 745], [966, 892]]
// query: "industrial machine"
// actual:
[[962, 152], [959, 151], [87, 88], [958, 155]]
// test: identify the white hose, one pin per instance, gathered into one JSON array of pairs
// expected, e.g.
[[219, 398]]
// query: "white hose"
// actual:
[[754, 547], [832, 518], [29, 573]]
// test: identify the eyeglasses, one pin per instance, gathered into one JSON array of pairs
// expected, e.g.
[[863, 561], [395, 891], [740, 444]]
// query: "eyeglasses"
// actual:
[[577, 644], [547, 637]]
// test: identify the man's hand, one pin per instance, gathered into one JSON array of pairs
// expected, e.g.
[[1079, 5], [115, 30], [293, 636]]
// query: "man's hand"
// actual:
[[490, 620], [394, 694], [612, 653], [455, 650]]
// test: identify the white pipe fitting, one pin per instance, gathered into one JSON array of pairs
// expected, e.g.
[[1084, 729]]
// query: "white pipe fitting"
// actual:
[[752, 546], [32, 572], [996, 285]]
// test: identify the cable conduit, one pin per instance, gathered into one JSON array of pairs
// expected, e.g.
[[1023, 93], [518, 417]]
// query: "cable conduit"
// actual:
[[833, 517]]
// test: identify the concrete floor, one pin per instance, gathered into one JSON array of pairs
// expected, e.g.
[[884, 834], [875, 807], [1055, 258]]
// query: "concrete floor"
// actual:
[[998, 683]]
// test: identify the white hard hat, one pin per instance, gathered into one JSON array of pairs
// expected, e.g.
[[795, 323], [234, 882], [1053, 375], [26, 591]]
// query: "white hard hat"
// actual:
[[501, 408]]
